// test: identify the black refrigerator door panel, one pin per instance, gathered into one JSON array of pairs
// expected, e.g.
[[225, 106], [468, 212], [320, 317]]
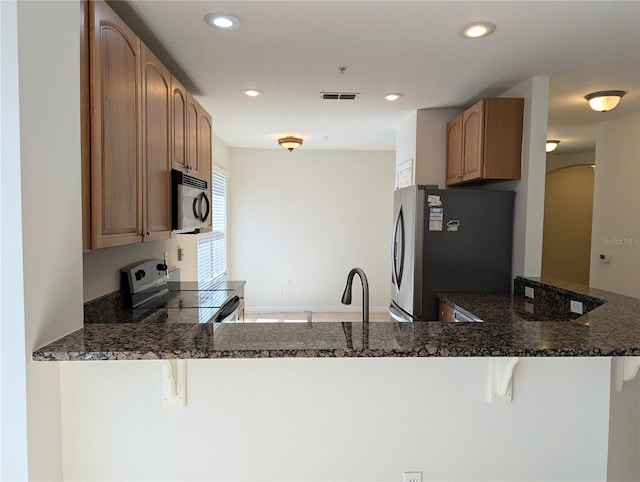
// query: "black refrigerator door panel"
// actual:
[[476, 257]]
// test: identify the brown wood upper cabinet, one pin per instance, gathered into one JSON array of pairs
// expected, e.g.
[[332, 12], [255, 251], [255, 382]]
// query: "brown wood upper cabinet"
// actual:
[[116, 142], [204, 154], [179, 125], [191, 134], [143, 122], [156, 151], [130, 135], [485, 141]]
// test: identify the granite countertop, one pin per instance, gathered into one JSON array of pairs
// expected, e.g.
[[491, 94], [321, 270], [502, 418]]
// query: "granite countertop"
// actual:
[[508, 329]]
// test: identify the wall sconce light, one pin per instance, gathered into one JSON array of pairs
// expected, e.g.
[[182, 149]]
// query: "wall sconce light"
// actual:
[[290, 142], [551, 145], [604, 100]]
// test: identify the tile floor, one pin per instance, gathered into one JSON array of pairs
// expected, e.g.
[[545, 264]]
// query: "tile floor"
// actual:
[[301, 317]]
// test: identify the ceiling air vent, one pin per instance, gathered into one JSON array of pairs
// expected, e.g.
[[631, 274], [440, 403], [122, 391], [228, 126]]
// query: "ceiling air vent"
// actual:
[[339, 95]]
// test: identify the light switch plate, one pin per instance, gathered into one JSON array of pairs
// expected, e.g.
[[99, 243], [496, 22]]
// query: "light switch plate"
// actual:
[[528, 292]]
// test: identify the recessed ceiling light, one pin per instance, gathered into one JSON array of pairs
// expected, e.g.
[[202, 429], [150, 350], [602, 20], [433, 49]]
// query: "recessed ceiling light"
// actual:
[[478, 29], [222, 20], [392, 97], [252, 92]]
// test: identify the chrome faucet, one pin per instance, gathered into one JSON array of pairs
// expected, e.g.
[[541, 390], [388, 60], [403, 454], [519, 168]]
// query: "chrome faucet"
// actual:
[[346, 296]]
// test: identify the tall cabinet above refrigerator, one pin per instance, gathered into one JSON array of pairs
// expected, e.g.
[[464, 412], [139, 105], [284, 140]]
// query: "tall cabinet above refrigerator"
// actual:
[[448, 240]]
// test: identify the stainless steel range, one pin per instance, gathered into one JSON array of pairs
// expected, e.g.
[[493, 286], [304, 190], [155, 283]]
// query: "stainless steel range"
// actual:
[[146, 286]]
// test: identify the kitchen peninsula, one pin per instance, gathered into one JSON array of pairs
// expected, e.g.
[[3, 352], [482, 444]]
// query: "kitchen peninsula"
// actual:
[[611, 329]]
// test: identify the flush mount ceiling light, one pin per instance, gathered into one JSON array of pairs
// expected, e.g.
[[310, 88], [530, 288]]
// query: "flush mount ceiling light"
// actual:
[[478, 29], [251, 92], [551, 145], [604, 100], [290, 142], [392, 97], [222, 20]]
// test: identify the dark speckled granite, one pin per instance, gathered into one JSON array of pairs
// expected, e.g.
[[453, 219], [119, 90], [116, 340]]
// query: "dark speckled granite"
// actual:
[[559, 294], [612, 329], [111, 307]]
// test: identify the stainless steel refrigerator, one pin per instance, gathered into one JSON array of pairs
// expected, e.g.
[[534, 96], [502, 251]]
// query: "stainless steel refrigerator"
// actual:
[[448, 240]]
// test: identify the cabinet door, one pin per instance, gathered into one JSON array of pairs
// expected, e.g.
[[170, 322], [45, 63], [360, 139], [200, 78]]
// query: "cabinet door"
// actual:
[[445, 312], [472, 135], [156, 152], [204, 155], [116, 148], [192, 136], [454, 150], [503, 138], [178, 125]]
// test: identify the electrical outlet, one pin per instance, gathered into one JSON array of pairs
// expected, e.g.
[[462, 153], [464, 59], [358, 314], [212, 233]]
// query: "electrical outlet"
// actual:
[[290, 283], [528, 292], [576, 307], [412, 477]]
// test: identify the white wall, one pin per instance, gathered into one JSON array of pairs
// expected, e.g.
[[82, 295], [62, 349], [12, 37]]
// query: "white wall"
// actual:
[[624, 433], [301, 220], [220, 153], [431, 146], [406, 138], [529, 189], [13, 388], [423, 138], [101, 267], [337, 419], [49, 59], [616, 206]]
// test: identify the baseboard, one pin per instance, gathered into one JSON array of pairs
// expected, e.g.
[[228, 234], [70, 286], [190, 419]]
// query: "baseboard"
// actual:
[[319, 309]]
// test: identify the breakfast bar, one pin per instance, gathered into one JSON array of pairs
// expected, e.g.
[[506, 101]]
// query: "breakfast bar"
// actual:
[[509, 328]]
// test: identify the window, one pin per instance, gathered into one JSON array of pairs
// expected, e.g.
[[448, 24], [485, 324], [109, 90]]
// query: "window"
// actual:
[[212, 246]]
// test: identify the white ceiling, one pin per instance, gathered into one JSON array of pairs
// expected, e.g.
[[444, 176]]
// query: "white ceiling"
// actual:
[[292, 50]]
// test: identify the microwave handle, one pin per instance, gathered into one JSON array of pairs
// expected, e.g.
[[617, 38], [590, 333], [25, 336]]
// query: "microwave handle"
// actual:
[[203, 197], [194, 208]]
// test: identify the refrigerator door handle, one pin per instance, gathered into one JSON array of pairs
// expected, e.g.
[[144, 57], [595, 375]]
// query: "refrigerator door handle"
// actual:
[[398, 247]]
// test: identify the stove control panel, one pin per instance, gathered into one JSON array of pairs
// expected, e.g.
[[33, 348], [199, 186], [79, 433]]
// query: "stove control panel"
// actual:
[[142, 275]]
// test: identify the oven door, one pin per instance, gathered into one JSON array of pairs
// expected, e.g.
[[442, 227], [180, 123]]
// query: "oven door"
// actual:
[[193, 208]]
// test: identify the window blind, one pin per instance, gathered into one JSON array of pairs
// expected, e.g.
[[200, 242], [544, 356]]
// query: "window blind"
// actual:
[[212, 246]]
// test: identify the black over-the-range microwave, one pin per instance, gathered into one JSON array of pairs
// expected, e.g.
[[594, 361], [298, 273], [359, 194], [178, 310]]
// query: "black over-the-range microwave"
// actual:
[[191, 206]]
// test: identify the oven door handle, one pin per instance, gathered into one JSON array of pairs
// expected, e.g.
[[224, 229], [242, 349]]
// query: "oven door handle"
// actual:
[[228, 310]]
